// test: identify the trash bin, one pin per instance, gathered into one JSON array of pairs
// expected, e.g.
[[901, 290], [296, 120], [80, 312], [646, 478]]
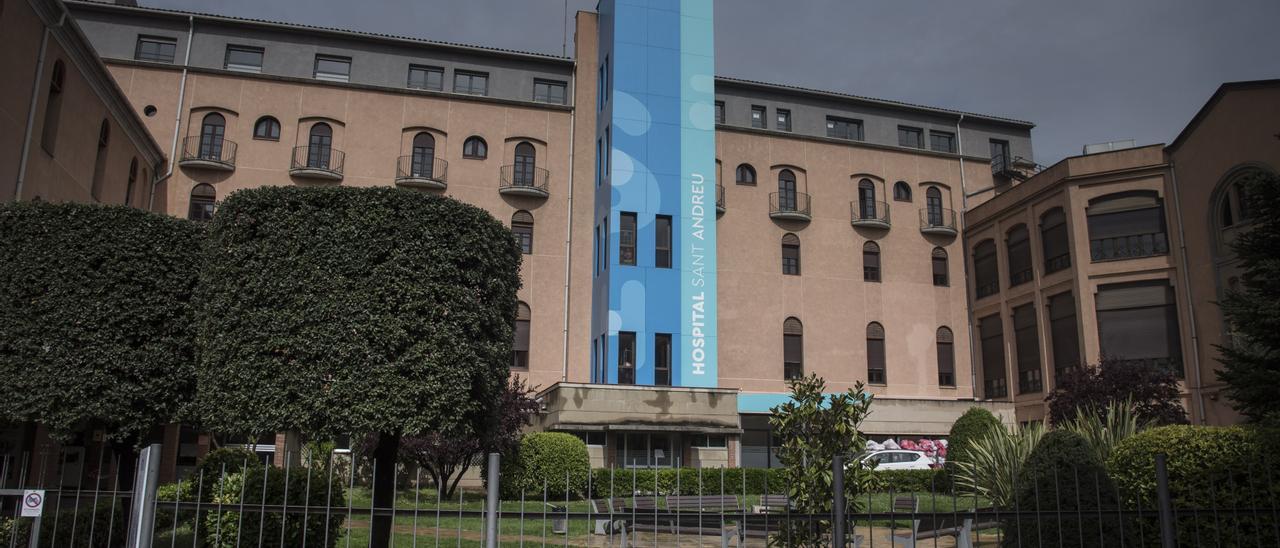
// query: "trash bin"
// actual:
[[559, 523]]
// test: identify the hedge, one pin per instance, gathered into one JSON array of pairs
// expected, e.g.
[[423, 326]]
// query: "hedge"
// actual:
[[306, 486], [96, 319], [545, 461], [1209, 467], [606, 482], [973, 424], [71, 528], [1063, 475]]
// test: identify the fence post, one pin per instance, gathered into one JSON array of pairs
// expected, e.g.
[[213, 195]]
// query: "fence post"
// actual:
[[142, 512], [491, 504], [837, 501], [1167, 535]]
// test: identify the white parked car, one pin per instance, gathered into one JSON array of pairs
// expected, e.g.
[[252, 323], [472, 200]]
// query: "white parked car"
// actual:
[[899, 459]]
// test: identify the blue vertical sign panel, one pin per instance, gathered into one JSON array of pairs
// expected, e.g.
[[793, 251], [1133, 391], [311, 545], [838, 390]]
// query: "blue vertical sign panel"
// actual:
[[698, 195]]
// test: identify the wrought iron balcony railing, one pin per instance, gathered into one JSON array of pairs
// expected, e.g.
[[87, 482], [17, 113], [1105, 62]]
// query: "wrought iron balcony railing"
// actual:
[[316, 162], [519, 180], [792, 206], [208, 152], [938, 220], [869, 213], [420, 171]]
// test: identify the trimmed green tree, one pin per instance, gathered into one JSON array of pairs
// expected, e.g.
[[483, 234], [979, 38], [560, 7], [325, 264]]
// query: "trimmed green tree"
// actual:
[[340, 310], [1251, 359], [96, 318], [974, 423], [1063, 478], [546, 463]]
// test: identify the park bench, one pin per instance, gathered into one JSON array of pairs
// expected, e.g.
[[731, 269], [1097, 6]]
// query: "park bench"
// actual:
[[772, 504], [932, 526]]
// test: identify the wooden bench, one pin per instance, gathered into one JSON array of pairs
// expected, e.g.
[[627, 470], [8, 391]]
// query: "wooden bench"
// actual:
[[932, 526], [691, 515], [772, 504]]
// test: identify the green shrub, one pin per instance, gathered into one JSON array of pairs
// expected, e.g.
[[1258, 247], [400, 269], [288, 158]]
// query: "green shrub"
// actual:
[[994, 462], [1209, 467], [1063, 475], [225, 460], [546, 461], [909, 481], [974, 423], [306, 486], [106, 526], [622, 482]]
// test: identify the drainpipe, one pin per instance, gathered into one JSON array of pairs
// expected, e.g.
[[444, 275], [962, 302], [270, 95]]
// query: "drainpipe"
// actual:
[[1191, 304], [35, 98], [964, 260], [177, 116], [568, 231]]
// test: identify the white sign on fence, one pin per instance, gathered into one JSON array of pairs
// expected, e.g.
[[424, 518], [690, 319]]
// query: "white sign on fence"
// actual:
[[32, 503]]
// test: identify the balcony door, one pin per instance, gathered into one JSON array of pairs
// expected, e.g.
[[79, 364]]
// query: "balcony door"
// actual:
[[424, 156], [786, 190], [933, 205], [320, 146], [526, 162], [212, 130]]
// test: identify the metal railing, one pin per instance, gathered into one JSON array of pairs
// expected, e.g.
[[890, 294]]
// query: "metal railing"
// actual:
[[1030, 381], [428, 168], [524, 180], [326, 160], [869, 213], [206, 149], [1021, 276], [989, 288], [937, 220], [1057, 262], [790, 204], [1129, 247], [995, 388]]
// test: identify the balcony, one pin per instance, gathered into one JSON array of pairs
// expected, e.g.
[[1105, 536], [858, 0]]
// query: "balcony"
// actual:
[[208, 153], [525, 181], [869, 214], [719, 199], [938, 220], [1013, 168], [1134, 246], [320, 163], [790, 207], [422, 172]]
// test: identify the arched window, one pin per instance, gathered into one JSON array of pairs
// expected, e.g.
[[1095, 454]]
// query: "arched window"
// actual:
[[522, 227], [1233, 200], [986, 271], [1053, 236], [424, 156], [267, 128], [946, 357], [867, 199], [901, 191], [320, 146], [100, 161], [941, 277], [933, 206], [212, 129], [520, 346], [526, 162], [1127, 225], [791, 254], [746, 175], [203, 197], [792, 349], [475, 148], [786, 190], [53, 107], [875, 354], [871, 262], [133, 180], [1018, 248]]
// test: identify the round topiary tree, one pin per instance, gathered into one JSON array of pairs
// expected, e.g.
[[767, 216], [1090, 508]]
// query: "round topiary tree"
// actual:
[[1063, 480], [330, 311], [96, 319], [973, 424], [552, 461]]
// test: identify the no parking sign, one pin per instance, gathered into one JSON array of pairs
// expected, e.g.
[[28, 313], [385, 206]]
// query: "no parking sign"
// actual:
[[32, 503]]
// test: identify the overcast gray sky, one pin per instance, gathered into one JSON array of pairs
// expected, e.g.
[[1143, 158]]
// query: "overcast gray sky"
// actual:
[[1084, 71]]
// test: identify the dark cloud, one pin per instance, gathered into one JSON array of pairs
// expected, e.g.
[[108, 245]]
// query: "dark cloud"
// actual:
[[1084, 70]]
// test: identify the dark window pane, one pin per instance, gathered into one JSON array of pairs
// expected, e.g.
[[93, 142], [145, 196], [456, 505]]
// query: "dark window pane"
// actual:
[[757, 117], [784, 120], [1028, 349], [940, 274], [627, 239], [910, 137], [524, 236], [992, 344], [471, 83], [986, 269], [549, 91], [1126, 226], [876, 361], [791, 259], [332, 69], [1063, 333], [792, 356], [626, 357], [719, 112], [428, 78], [662, 359], [1053, 234], [1018, 247], [158, 49], [941, 141], [662, 237], [1139, 322], [244, 59], [841, 128]]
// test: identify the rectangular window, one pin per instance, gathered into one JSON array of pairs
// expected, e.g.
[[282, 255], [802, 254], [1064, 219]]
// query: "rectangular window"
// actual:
[[841, 128], [1028, 349], [1053, 234], [424, 77], [520, 347], [332, 69], [942, 141], [626, 357], [1127, 227], [719, 112], [784, 120], [596, 243], [1138, 322], [470, 83], [994, 383], [708, 441], [605, 266], [591, 437], [243, 59], [792, 356], [662, 243], [1063, 333], [1001, 162], [946, 362], [524, 237], [757, 117], [662, 359], [627, 239], [912, 137], [549, 91], [940, 275], [155, 48], [875, 361], [791, 259], [600, 89], [599, 161], [870, 265]]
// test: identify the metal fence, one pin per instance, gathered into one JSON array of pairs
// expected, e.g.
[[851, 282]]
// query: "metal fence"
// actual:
[[330, 504]]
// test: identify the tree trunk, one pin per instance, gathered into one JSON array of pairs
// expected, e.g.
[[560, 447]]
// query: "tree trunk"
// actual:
[[384, 488]]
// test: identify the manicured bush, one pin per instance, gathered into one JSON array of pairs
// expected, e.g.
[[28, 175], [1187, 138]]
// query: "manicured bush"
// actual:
[[1063, 475], [1209, 467], [552, 461], [621, 482], [974, 423], [104, 524], [96, 319], [224, 460], [913, 481], [306, 486]]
